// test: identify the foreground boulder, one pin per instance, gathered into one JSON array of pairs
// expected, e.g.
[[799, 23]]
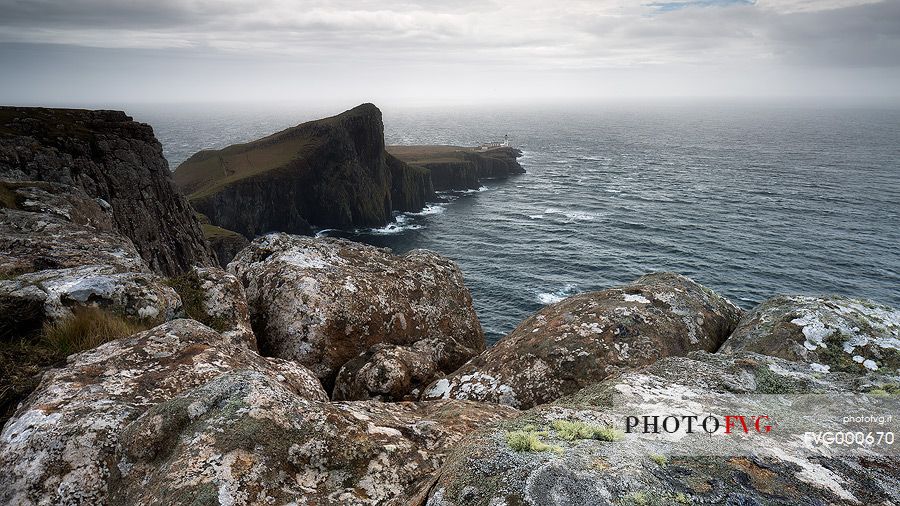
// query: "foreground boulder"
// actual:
[[322, 302], [246, 439], [54, 226], [61, 445], [388, 373], [582, 339], [576, 451], [113, 158], [217, 299], [829, 333]]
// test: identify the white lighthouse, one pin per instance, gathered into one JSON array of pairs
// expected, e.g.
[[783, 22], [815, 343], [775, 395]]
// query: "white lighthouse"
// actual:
[[506, 141]]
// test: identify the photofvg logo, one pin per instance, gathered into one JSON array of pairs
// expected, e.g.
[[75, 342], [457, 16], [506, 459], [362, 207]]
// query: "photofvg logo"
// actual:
[[693, 424]]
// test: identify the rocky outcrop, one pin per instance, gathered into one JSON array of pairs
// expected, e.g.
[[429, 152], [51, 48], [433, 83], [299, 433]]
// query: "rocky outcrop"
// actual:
[[55, 293], [460, 168], [388, 372], [576, 450], [62, 445], [581, 340], [329, 173], [246, 439], [112, 158], [322, 302], [829, 333], [223, 305], [53, 226]]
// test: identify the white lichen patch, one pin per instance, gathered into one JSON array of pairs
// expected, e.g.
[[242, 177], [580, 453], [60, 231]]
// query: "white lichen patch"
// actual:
[[640, 299]]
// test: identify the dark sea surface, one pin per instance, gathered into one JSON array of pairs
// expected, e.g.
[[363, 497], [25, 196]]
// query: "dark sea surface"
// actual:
[[751, 201]]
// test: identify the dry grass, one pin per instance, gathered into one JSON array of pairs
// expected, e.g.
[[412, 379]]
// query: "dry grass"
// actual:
[[88, 328], [24, 359]]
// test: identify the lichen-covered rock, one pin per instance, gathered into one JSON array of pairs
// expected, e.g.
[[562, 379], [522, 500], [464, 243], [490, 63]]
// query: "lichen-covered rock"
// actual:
[[582, 339], [246, 439], [52, 226], [576, 451], [113, 158], [829, 333], [136, 295], [388, 372], [60, 446], [322, 302], [225, 303]]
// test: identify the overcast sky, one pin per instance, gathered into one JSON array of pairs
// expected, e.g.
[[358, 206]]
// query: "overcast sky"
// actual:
[[422, 51]]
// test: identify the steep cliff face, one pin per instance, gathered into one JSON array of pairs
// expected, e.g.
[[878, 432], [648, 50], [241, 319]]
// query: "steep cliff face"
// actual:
[[411, 187], [460, 168], [113, 158], [332, 172]]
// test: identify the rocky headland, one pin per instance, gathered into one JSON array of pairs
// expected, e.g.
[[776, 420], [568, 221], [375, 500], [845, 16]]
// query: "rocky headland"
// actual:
[[322, 371], [328, 173]]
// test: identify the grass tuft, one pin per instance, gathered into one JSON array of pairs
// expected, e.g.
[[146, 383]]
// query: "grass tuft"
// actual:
[[571, 431], [529, 441], [660, 460], [88, 328]]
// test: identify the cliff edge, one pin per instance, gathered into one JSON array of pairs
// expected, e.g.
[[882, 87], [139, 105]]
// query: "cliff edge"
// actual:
[[113, 158]]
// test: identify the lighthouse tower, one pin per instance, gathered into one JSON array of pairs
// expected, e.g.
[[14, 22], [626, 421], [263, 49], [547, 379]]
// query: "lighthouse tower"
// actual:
[[506, 141]]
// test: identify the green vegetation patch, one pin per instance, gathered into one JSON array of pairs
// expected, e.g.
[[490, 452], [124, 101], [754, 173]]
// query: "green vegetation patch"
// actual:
[[571, 431], [660, 460], [767, 382], [529, 440], [214, 232]]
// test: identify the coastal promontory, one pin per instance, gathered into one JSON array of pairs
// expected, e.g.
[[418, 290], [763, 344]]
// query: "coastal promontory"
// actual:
[[328, 173]]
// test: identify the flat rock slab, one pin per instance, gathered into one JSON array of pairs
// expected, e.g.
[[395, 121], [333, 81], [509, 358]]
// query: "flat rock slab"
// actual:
[[53, 226]]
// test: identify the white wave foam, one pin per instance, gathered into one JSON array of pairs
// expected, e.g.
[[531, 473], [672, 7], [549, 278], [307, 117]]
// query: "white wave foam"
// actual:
[[400, 224], [429, 210], [324, 232], [571, 216], [554, 297]]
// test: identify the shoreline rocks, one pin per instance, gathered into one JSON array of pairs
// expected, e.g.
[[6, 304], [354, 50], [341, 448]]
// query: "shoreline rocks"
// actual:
[[245, 439], [579, 452]]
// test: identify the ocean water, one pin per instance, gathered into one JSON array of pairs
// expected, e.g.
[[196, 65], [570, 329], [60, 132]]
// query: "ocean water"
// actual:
[[751, 201]]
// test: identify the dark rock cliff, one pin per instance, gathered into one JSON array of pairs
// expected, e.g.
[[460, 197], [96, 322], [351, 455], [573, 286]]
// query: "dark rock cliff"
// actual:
[[460, 168], [113, 158], [332, 172]]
